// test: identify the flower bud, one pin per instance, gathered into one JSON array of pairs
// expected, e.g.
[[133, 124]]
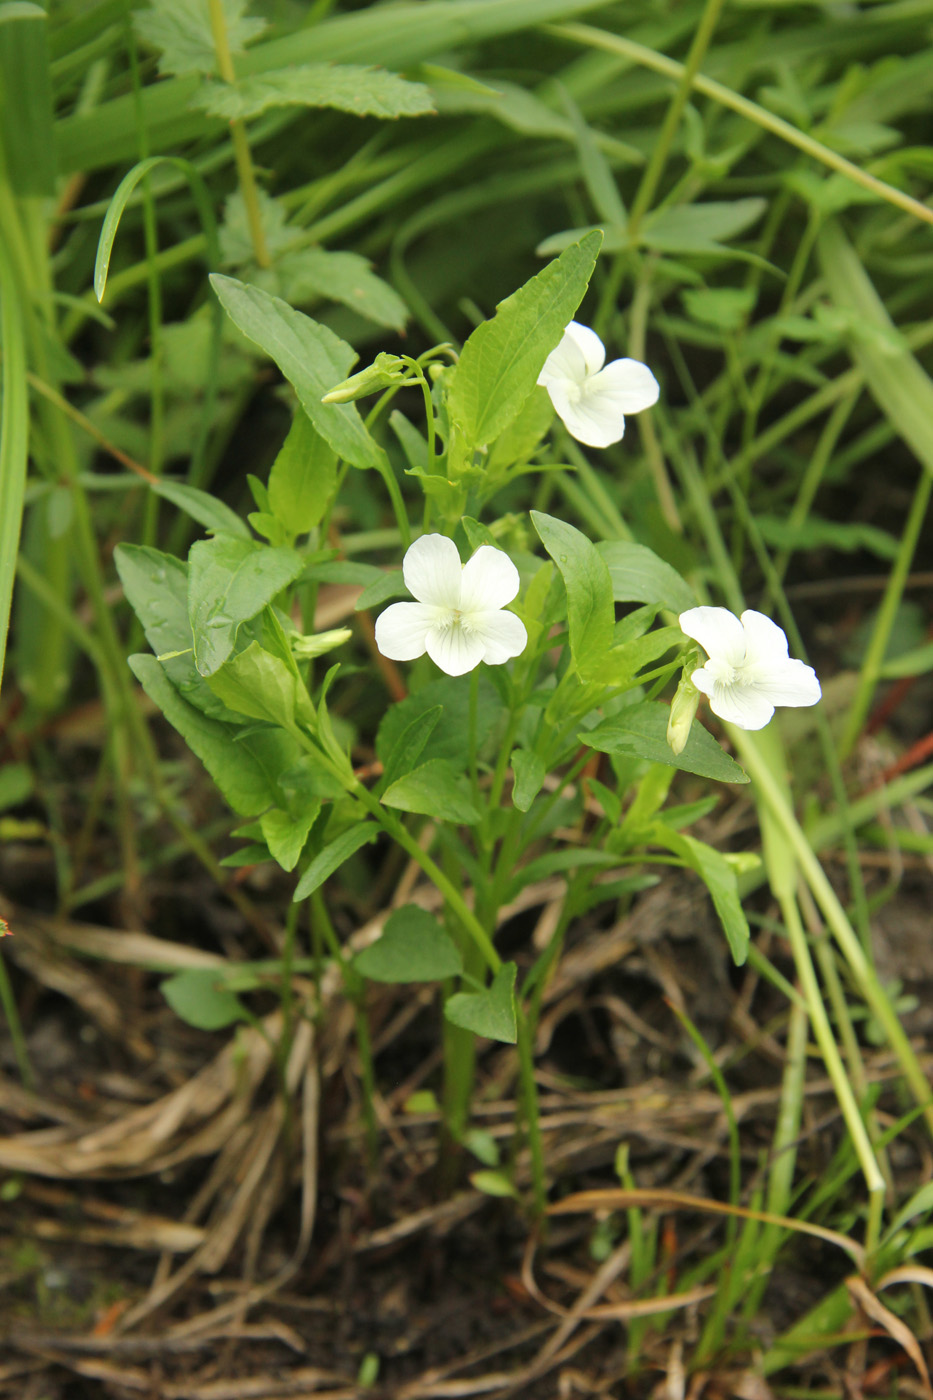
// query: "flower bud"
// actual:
[[683, 709], [385, 370]]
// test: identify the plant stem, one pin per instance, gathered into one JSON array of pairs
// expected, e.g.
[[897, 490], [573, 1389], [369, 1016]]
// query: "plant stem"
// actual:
[[241, 151]]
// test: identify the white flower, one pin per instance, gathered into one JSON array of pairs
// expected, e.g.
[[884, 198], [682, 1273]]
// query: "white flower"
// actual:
[[748, 671], [591, 400], [458, 618]]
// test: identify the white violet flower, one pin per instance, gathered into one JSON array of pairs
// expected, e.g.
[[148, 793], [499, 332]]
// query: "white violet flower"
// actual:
[[749, 670], [458, 618], [592, 399]]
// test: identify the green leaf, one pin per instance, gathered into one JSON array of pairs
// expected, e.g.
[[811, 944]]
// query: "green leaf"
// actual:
[[409, 745], [202, 507], [717, 875], [638, 575], [244, 766], [303, 477], [700, 228], [726, 308], [530, 772], [817, 533], [343, 277], [285, 835], [641, 730], [262, 686], [413, 948], [490, 1013], [16, 784], [501, 361], [199, 998], [493, 1184], [365, 92], [182, 30], [450, 739], [229, 582], [26, 99], [435, 789], [333, 856], [310, 356], [390, 585], [515, 445], [590, 614]]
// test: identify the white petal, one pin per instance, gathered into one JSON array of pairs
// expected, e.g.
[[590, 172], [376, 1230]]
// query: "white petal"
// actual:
[[765, 642], [719, 632], [454, 649], [742, 705], [490, 580], [503, 636], [629, 383], [432, 571], [588, 418], [589, 345], [566, 363], [401, 630], [792, 683]]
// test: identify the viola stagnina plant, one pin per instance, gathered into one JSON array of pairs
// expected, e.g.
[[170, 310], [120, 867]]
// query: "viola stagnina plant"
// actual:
[[533, 738]]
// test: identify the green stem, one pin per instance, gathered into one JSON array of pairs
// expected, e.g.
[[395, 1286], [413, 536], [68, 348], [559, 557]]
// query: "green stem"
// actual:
[[15, 1026], [241, 151], [529, 1092]]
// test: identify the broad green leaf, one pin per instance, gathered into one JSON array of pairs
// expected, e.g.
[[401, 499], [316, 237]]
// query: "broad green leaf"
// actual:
[[530, 772], [638, 575], [451, 738], [501, 361], [490, 1013], [244, 768], [590, 614], [26, 100], [310, 356], [303, 477], [700, 228], [262, 686], [717, 875], [413, 948], [435, 789], [229, 582], [343, 277], [625, 662], [202, 507], [182, 30], [519, 440], [641, 730], [390, 585], [409, 745], [333, 856], [285, 835], [365, 92], [199, 998]]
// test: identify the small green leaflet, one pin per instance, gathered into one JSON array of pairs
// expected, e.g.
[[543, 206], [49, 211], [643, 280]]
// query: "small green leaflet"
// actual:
[[435, 789], [700, 228], [182, 30], [230, 581], [638, 575], [349, 87], [333, 856], [501, 361], [286, 835], [590, 614], [530, 773], [303, 477], [641, 730], [199, 997], [413, 948], [261, 686], [490, 1013], [717, 875], [312, 358]]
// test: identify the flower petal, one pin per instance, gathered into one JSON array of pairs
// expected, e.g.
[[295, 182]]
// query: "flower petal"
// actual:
[[765, 642], [432, 571], [589, 418], [719, 632], [401, 630], [738, 704], [792, 683], [566, 363], [454, 649], [490, 580], [630, 385], [503, 636], [589, 345]]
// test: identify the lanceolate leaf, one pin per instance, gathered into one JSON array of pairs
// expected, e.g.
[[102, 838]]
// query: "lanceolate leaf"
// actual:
[[333, 856], [310, 356], [229, 582], [503, 357], [590, 614], [639, 576], [303, 477], [642, 730], [366, 92], [717, 875]]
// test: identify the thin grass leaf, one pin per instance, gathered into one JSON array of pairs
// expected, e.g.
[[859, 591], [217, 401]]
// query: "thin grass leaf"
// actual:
[[14, 438]]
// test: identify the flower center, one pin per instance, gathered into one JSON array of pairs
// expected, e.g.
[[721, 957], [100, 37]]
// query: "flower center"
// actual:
[[724, 673]]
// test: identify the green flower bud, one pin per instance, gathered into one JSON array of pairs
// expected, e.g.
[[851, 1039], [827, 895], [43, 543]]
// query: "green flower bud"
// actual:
[[384, 370], [683, 709]]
